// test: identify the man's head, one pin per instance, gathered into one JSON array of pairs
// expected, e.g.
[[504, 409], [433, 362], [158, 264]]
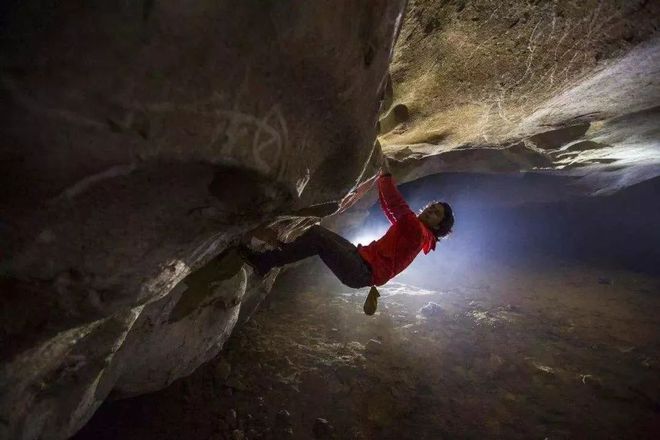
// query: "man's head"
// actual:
[[438, 217]]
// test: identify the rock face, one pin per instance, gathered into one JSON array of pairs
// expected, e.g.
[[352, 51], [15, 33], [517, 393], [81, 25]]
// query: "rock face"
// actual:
[[552, 87], [139, 140], [516, 85]]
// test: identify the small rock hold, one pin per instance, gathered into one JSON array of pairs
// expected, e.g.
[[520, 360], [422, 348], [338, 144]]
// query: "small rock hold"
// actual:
[[237, 434], [322, 429]]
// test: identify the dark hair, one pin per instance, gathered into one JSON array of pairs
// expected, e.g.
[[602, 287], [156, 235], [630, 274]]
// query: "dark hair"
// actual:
[[447, 223]]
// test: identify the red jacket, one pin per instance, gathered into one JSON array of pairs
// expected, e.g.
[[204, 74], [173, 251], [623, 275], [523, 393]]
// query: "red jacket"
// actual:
[[395, 250]]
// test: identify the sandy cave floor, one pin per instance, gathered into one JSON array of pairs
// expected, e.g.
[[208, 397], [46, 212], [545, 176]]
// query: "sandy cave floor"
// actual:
[[545, 352]]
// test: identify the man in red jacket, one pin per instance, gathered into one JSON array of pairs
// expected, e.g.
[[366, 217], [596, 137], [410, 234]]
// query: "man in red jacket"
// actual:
[[380, 260]]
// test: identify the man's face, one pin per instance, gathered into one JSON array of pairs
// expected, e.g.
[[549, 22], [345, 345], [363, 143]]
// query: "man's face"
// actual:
[[433, 215]]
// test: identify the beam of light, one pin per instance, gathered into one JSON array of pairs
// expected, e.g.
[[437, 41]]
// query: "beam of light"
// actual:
[[368, 234]]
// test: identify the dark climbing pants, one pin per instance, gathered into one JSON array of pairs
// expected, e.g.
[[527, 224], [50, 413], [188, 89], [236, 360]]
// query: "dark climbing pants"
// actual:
[[339, 254]]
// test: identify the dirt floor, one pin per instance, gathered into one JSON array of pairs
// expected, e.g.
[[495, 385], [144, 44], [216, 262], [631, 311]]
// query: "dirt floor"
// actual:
[[545, 352]]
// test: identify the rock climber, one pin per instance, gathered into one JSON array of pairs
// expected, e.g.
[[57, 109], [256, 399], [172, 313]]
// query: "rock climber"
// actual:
[[380, 260]]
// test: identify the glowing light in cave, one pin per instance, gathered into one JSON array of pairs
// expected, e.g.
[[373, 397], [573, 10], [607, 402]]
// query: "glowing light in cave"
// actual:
[[368, 234]]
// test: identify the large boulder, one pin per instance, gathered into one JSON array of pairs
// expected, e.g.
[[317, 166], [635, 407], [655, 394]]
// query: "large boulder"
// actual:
[[140, 140]]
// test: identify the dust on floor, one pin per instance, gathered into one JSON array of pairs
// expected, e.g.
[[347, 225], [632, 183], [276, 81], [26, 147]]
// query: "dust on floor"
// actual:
[[557, 353]]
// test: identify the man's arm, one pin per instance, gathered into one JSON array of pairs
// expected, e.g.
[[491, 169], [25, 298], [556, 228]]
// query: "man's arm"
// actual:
[[391, 201], [357, 193]]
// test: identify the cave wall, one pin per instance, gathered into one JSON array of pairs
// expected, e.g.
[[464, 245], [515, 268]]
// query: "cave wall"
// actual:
[[140, 140], [515, 86], [518, 85]]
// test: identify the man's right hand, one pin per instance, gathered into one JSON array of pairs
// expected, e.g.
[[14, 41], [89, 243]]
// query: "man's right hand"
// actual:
[[385, 167], [384, 163], [357, 193]]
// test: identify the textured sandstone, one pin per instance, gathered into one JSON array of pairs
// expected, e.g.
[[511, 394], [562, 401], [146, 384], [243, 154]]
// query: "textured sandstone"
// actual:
[[481, 79], [139, 140], [142, 139]]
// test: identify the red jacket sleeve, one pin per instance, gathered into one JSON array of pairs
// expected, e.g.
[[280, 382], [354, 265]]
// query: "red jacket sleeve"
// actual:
[[391, 201]]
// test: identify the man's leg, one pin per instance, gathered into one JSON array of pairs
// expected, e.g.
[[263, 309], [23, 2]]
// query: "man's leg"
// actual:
[[339, 254]]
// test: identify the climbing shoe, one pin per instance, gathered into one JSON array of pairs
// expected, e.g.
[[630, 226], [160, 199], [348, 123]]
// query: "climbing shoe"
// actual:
[[371, 303]]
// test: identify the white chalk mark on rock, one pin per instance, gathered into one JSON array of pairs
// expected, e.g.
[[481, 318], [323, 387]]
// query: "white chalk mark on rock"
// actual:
[[89, 181]]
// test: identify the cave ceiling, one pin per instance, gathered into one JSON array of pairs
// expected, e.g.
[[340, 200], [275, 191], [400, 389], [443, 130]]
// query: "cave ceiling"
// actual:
[[517, 86]]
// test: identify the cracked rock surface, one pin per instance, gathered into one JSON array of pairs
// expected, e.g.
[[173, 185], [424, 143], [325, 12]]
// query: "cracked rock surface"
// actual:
[[515, 85], [140, 140], [143, 140]]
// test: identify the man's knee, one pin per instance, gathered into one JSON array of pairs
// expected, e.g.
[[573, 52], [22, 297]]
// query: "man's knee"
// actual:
[[314, 233], [315, 229]]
